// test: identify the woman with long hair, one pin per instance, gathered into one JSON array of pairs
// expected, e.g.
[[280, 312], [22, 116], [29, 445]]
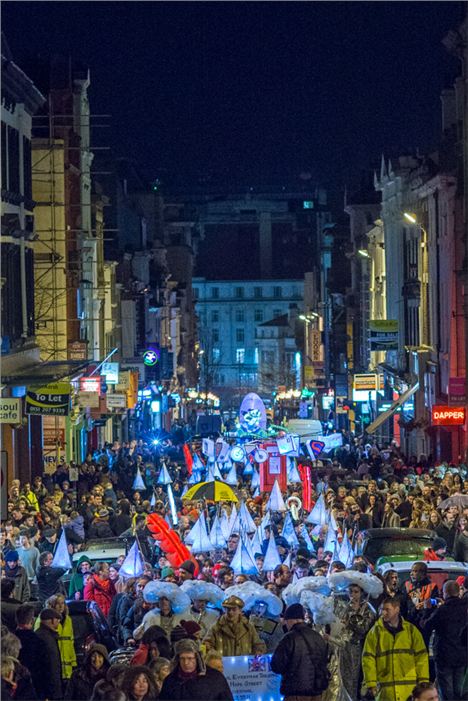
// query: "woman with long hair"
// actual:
[[139, 684], [66, 639]]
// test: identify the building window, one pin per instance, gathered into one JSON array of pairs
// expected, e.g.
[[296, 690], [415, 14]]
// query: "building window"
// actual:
[[195, 292], [240, 356], [215, 335], [215, 315], [13, 160], [215, 292], [258, 315], [276, 313], [258, 292], [255, 359], [216, 354], [277, 292], [268, 357], [240, 335], [239, 315], [238, 292]]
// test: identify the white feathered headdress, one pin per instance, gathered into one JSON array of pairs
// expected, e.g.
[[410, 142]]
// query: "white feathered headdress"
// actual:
[[153, 591], [292, 593], [253, 593], [205, 591], [321, 607], [368, 582]]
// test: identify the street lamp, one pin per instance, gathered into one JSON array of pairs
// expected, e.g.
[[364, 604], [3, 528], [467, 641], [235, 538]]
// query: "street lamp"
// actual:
[[412, 218]]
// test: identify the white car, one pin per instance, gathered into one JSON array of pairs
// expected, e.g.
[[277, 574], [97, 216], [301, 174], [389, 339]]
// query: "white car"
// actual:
[[102, 550], [438, 570]]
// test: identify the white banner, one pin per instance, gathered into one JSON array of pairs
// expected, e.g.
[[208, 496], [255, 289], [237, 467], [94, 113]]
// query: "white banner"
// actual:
[[251, 678], [333, 440]]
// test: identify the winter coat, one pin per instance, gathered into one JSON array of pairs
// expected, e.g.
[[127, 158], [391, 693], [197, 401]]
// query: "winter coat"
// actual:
[[76, 581], [120, 523], [301, 659], [154, 618], [66, 643], [100, 529], [209, 685], [81, 684], [77, 525], [31, 653], [31, 498], [460, 548], [448, 621], [205, 620], [22, 590], [121, 605], [417, 593], [50, 683], [23, 690], [390, 520], [396, 662], [447, 532], [133, 619], [231, 640], [102, 591], [48, 582], [8, 610]]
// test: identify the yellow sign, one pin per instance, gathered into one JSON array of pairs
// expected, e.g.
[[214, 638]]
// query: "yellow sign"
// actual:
[[368, 382], [309, 373], [316, 338]]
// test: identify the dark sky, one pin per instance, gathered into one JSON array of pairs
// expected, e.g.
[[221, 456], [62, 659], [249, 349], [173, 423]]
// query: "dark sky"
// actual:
[[253, 92]]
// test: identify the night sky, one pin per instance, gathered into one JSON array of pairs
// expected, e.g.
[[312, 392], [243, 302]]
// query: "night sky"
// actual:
[[253, 93]]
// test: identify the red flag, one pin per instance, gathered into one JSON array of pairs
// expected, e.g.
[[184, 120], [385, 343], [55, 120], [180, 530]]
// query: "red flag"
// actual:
[[304, 471], [188, 458]]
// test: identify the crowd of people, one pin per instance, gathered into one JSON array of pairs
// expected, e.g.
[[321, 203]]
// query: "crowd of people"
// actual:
[[336, 631]]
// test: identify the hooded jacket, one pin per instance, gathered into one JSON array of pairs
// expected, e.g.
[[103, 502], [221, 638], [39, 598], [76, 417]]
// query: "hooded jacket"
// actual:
[[76, 581], [82, 681], [102, 591], [206, 684], [230, 640], [395, 662]]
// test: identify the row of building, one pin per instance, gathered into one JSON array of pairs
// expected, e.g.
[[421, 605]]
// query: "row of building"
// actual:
[[125, 306]]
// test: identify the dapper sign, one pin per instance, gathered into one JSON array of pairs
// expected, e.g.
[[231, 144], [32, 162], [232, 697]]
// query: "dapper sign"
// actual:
[[448, 415]]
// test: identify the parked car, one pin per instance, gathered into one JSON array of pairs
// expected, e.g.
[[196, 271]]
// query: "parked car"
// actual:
[[393, 542], [104, 549], [89, 626], [438, 572]]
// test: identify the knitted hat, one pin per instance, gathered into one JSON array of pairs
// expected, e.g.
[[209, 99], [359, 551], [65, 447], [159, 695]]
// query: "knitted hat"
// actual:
[[11, 556], [294, 611], [167, 572], [191, 627], [439, 544], [188, 566]]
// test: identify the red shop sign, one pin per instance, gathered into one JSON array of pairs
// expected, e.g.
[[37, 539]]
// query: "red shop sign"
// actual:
[[448, 415]]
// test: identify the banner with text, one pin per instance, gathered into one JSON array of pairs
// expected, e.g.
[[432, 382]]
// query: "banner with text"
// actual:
[[251, 678]]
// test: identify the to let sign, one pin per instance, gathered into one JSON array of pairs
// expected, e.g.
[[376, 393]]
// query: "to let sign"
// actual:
[[448, 415]]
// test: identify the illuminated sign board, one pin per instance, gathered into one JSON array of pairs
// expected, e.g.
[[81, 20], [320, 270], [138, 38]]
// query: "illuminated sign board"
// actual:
[[448, 415], [150, 357], [90, 384]]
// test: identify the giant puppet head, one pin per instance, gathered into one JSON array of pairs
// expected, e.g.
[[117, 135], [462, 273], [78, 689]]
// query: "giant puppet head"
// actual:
[[252, 414]]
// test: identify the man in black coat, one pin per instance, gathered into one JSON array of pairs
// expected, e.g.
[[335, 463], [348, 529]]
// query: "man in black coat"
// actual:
[[301, 658], [31, 652], [450, 644], [50, 683], [191, 679]]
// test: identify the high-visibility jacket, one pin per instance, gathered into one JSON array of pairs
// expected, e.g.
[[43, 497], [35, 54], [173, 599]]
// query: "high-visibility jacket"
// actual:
[[66, 644], [421, 592], [394, 663]]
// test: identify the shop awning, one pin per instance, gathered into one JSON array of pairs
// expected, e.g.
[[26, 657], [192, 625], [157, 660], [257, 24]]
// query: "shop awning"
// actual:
[[391, 410], [46, 372]]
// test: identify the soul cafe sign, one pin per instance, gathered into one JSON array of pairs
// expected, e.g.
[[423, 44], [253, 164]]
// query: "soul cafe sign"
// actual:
[[448, 415]]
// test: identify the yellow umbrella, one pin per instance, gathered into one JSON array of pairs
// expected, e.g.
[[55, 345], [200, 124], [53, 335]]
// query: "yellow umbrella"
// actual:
[[213, 491]]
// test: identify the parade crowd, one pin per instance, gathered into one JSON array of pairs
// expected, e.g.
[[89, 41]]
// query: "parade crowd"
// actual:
[[336, 631]]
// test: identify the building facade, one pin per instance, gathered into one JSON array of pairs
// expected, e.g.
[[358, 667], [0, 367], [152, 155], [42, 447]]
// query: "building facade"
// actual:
[[231, 314]]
